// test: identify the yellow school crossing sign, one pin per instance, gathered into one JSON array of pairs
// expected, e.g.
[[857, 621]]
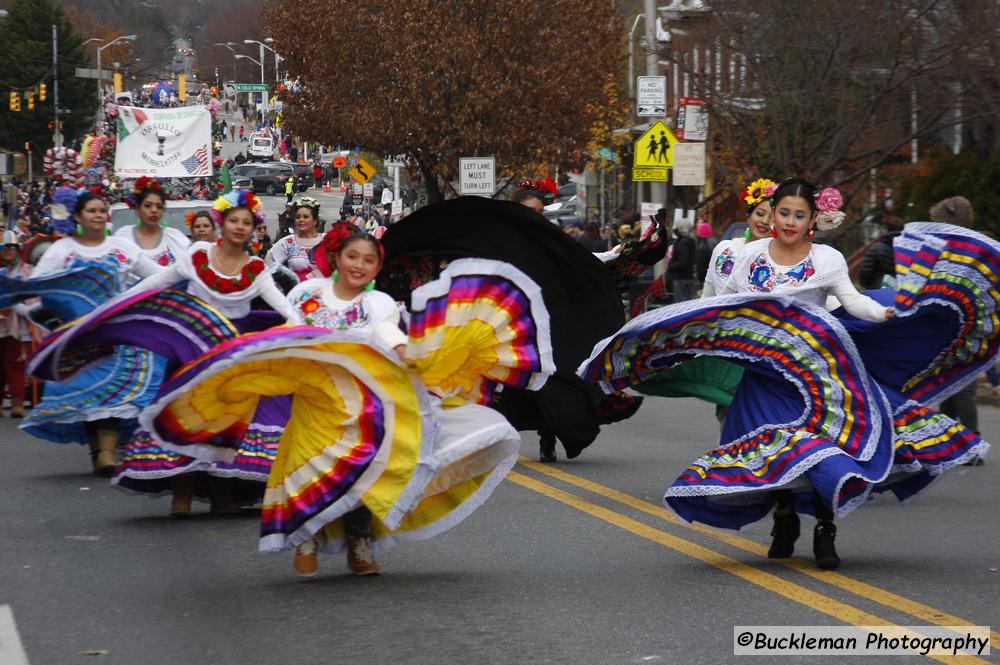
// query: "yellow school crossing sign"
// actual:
[[654, 153]]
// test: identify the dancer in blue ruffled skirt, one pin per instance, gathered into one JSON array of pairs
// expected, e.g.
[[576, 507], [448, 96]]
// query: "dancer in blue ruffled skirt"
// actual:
[[833, 405]]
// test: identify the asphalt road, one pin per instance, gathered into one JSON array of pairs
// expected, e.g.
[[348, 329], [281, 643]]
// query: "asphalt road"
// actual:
[[568, 563]]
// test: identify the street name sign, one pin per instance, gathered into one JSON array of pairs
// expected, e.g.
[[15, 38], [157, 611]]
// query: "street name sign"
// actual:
[[250, 87], [476, 176]]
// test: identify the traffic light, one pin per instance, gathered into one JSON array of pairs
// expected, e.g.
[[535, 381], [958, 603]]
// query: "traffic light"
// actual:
[[42, 92], [31, 101], [15, 101]]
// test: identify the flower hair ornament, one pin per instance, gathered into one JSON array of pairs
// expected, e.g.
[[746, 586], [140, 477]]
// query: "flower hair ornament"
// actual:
[[306, 202], [546, 187], [323, 253], [828, 204], [63, 207], [757, 192], [141, 185], [194, 214], [238, 198]]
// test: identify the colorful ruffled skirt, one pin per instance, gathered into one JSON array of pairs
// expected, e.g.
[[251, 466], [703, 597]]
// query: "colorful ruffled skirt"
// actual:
[[179, 327], [830, 408], [117, 386], [365, 429]]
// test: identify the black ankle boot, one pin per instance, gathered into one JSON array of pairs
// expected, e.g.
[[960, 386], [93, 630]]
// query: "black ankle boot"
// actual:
[[784, 534], [547, 448], [826, 553]]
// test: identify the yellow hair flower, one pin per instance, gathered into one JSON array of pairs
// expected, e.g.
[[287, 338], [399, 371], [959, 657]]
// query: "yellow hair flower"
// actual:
[[757, 191]]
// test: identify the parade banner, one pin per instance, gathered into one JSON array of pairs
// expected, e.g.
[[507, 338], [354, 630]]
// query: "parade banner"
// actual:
[[164, 143]]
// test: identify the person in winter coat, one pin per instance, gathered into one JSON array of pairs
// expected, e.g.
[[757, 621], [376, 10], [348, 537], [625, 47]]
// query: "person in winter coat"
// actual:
[[591, 238], [680, 262], [878, 268]]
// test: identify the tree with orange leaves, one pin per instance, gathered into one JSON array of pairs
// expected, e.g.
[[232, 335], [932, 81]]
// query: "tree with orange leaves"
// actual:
[[519, 80]]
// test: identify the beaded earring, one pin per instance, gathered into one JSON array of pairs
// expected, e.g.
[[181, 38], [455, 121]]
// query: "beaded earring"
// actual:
[[812, 233], [370, 286], [107, 232], [335, 275], [774, 233], [138, 223], [79, 230], [746, 234]]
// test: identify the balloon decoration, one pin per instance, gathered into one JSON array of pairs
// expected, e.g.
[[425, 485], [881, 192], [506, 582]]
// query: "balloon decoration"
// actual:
[[64, 165]]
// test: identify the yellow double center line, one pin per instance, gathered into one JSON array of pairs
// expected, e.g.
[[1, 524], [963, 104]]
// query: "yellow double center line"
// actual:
[[794, 592]]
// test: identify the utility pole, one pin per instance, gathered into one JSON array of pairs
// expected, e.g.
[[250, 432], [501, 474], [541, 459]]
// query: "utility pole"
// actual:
[[658, 190], [57, 136]]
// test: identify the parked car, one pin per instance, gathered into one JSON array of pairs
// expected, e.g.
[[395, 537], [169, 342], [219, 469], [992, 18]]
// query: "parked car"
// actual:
[[302, 171], [173, 215], [265, 178]]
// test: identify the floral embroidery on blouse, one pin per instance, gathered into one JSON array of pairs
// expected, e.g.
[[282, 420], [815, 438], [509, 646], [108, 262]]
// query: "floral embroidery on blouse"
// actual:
[[225, 284], [166, 258], [724, 261], [765, 277], [315, 312], [118, 255]]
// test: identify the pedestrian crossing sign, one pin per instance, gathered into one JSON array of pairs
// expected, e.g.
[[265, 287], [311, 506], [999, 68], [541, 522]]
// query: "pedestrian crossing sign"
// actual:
[[362, 172], [655, 148]]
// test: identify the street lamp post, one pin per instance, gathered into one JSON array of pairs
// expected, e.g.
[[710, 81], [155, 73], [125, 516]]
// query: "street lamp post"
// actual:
[[259, 63], [100, 74], [227, 45]]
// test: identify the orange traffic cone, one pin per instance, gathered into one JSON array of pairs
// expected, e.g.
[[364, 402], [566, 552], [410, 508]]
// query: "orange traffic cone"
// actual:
[[343, 187], [327, 187]]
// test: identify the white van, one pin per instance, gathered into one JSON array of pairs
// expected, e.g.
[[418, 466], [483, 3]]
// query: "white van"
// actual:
[[261, 147]]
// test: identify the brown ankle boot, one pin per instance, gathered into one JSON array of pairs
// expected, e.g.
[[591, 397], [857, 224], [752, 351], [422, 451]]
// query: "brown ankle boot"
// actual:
[[105, 453], [306, 563], [359, 557], [183, 492], [16, 408]]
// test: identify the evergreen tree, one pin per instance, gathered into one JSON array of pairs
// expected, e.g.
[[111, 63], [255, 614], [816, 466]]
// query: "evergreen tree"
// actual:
[[26, 63]]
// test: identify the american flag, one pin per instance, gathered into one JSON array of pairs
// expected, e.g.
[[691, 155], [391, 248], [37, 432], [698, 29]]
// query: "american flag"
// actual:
[[197, 164]]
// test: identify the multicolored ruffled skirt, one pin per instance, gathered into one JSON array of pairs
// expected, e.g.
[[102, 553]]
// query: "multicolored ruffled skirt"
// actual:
[[181, 327], [117, 386], [830, 408], [365, 429]]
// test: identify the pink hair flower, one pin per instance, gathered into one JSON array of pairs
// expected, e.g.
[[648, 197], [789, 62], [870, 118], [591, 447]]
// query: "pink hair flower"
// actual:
[[829, 200]]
